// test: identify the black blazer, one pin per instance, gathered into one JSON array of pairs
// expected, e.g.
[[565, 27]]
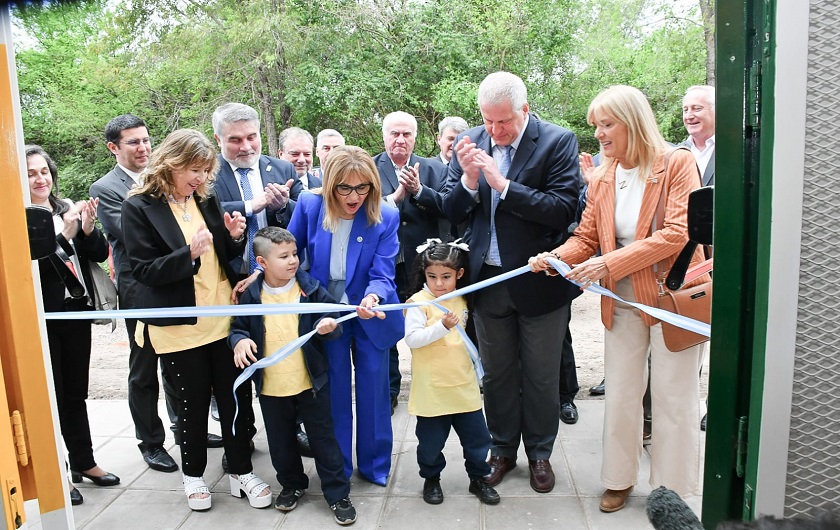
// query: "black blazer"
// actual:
[[418, 217], [534, 216], [160, 256], [91, 247]]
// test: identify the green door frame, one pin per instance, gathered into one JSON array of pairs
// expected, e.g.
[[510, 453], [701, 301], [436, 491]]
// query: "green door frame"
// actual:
[[743, 175]]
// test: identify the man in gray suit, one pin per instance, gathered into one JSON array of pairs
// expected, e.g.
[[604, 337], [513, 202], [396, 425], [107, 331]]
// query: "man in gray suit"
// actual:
[[128, 139], [699, 119]]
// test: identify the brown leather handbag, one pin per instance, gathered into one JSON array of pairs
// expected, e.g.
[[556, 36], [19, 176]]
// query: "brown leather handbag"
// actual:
[[692, 302]]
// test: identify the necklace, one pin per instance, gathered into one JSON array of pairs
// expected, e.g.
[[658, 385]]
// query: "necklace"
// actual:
[[185, 216]]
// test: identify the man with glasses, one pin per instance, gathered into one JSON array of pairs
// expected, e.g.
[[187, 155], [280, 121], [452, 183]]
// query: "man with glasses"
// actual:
[[412, 184], [128, 140]]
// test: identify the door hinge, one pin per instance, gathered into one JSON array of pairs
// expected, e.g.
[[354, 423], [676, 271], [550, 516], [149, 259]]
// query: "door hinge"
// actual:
[[20, 439], [754, 96], [741, 447]]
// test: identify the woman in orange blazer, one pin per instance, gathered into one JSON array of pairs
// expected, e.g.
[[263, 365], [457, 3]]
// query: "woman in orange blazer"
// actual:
[[638, 166]]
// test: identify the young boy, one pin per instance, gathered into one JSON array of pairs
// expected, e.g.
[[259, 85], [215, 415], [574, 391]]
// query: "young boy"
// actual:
[[297, 385]]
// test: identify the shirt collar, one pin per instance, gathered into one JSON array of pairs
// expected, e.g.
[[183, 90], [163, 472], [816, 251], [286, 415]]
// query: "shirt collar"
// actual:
[[134, 176], [515, 143]]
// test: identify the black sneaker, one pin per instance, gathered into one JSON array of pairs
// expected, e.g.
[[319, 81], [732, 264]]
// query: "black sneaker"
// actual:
[[484, 491], [432, 492], [286, 501], [344, 512]]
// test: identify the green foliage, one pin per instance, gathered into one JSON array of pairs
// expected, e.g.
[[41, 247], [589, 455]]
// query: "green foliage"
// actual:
[[341, 64]]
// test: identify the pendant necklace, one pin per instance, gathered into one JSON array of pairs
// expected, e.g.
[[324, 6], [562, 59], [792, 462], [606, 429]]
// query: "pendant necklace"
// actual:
[[185, 216]]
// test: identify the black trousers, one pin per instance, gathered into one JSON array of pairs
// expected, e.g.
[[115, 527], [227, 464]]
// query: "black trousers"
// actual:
[[569, 386], [143, 391], [69, 343], [196, 372], [280, 417]]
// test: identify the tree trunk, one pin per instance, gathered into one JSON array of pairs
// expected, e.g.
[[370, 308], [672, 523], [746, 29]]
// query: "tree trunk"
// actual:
[[707, 9]]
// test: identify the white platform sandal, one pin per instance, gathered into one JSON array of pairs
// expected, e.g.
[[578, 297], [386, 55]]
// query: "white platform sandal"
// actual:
[[197, 486], [252, 486]]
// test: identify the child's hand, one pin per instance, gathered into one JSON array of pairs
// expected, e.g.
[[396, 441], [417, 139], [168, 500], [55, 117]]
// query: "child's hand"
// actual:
[[450, 320], [244, 350], [326, 325]]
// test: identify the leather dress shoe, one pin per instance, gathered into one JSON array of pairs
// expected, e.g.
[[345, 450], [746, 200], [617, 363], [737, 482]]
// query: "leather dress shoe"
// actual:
[[499, 466], [542, 476], [158, 459], [432, 492], [614, 500], [214, 441], [76, 497], [303, 444], [108, 479], [568, 413], [251, 447], [703, 422], [214, 409], [598, 390], [484, 491]]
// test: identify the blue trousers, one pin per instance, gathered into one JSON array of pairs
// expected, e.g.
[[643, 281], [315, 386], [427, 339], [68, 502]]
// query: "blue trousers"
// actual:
[[374, 437], [280, 416], [472, 431]]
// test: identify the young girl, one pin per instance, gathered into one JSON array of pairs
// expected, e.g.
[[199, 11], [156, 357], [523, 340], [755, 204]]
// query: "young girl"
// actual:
[[444, 388]]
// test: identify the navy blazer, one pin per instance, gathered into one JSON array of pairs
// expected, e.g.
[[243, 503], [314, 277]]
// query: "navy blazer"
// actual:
[[313, 180], [273, 170], [534, 216], [253, 327], [419, 218], [160, 256], [370, 261]]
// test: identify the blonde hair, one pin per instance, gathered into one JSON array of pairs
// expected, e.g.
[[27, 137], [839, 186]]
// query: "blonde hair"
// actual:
[[644, 141], [181, 149], [344, 162]]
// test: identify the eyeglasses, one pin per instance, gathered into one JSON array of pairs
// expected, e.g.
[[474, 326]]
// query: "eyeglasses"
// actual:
[[345, 190], [137, 142]]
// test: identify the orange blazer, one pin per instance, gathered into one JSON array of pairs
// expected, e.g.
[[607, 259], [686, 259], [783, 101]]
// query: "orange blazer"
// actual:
[[597, 230]]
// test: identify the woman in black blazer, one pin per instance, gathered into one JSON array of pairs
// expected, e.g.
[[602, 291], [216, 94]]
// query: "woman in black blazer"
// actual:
[[180, 244], [78, 242]]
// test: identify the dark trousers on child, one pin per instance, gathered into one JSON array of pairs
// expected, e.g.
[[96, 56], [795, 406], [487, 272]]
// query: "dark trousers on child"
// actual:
[[432, 433], [196, 373], [280, 418]]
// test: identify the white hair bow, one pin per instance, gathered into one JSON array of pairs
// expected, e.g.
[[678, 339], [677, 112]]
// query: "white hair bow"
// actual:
[[429, 242], [459, 243]]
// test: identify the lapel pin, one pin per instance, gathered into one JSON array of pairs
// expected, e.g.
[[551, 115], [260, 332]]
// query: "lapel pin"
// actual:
[[359, 239], [267, 169]]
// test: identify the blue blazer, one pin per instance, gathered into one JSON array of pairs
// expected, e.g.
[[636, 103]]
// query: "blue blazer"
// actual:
[[534, 216], [370, 261]]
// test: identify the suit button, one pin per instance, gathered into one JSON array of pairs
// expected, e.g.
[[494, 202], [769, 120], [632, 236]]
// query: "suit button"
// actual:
[[405, 223]]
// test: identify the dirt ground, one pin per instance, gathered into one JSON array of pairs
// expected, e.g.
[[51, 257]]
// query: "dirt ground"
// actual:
[[109, 360]]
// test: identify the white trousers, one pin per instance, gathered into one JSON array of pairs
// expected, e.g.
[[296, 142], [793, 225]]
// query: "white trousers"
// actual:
[[675, 408]]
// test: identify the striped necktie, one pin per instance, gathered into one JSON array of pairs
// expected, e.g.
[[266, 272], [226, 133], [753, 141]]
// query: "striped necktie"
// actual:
[[504, 167], [252, 225]]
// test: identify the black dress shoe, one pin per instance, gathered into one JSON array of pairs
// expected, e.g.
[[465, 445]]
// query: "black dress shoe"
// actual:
[[108, 479], [76, 497], [599, 389], [432, 493], [303, 444], [158, 459], [214, 440], [214, 409], [251, 447], [484, 491], [568, 413], [703, 423]]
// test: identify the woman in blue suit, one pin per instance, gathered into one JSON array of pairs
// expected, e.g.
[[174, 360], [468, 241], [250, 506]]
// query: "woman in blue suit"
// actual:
[[349, 236]]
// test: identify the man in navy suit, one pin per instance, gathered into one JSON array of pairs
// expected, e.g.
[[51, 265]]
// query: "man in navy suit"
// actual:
[[516, 180], [254, 185], [295, 145], [411, 184]]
